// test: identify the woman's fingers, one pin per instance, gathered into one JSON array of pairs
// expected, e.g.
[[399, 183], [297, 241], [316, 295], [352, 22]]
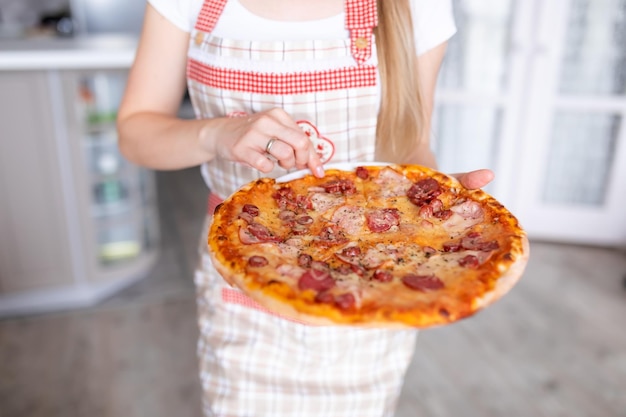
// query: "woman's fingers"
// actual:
[[282, 152], [271, 137], [285, 156], [279, 124], [475, 179]]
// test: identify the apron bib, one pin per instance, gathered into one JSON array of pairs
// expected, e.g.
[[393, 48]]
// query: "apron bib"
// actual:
[[335, 103], [252, 362]]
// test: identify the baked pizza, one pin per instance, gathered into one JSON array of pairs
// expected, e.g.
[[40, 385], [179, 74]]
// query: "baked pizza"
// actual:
[[368, 245]]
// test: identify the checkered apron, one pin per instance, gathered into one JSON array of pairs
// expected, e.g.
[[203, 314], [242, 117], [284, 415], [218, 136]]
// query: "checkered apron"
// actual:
[[252, 361]]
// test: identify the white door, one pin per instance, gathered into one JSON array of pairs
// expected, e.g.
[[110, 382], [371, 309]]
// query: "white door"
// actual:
[[572, 186], [536, 91], [481, 87]]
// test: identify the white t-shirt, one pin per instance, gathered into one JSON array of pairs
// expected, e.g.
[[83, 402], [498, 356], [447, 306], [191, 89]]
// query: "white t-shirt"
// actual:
[[433, 23]]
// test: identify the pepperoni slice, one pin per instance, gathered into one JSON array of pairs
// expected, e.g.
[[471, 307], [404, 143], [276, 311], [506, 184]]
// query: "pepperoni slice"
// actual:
[[357, 269], [299, 230], [345, 301], [443, 214], [287, 216], [469, 261], [362, 173], [317, 280], [304, 202], [332, 235], [304, 220], [257, 261], [382, 275], [423, 191], [285, 197], [325, 297], [351, 251], [342, 186], [349, 255], [304, 260], [251, 209], [473, 242], [246, 216], [422, 283], [343, 269], [284, 193], [383, 219], [262, 233], [320, 265], [246, 237], [451, 247]]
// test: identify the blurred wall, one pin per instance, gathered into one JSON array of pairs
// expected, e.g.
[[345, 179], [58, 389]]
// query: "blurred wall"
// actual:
[[27, 12]]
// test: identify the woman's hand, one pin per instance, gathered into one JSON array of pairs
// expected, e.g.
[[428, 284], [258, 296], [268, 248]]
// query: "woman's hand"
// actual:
[[262, 139], [475, 179]]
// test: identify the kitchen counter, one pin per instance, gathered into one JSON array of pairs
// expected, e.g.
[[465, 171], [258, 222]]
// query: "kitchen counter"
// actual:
[[79, 52]]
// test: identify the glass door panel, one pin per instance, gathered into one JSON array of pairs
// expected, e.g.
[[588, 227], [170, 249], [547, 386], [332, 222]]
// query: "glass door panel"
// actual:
[[580, 158], [479, 90], [477, 57], [573, 186], [594, 53], [467, 136]]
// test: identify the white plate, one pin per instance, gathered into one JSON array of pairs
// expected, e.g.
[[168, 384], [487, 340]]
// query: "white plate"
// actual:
[[342, 166]]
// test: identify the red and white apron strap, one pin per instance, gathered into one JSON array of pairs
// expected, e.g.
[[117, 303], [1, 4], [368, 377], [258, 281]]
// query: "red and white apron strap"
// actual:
[[209, 15], [361, 19]]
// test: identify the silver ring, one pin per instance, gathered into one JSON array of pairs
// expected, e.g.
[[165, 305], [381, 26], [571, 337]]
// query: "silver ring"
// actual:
[[269, 145]]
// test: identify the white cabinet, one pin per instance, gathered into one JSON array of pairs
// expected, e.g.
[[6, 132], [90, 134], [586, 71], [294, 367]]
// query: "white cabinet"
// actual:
[[77, 222], [536, 91]]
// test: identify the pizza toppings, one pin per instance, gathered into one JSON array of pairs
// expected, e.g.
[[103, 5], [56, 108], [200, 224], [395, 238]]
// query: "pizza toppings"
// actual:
[[331, 235], [261, 233], [316, 279], [286, 198], [257, 261], [287, 216], [397, 238], [305, 260], [382, 275], [246, 237], [349, 255], [340, 186], [468, 210], [422, 282], [349, 218], [469, 261], [473, 241], [304, 220], [322, 202], [424, 191], [391, 183], [382, 219], [362, 173], [251, 209], [345, 301]]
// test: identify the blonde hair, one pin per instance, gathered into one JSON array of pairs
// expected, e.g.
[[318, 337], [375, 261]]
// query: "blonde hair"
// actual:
[[402, 116]]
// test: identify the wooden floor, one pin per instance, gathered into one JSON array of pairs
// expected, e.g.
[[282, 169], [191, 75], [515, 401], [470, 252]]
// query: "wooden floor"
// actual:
[[555, 346]]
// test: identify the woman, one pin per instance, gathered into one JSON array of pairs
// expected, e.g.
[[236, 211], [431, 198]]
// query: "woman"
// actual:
[[279, 85]]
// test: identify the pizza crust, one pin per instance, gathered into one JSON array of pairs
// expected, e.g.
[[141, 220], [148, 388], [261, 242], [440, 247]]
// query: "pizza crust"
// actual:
[[508, 278]]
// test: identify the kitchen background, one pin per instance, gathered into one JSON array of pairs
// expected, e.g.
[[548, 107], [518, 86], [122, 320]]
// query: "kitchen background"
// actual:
[[97, 313]]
